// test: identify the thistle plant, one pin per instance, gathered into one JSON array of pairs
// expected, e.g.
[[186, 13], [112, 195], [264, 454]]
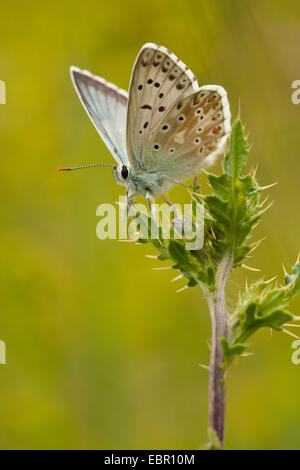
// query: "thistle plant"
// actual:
[[232, 211]]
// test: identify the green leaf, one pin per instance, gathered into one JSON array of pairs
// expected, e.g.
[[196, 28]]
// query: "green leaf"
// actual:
[[233, 208], [219, 185], [192, 283], [235, 159], [292, 281], [240, 255], [186, 263], [213, 440], [230, 351], [162, 257], [219, 210], [253, 321]]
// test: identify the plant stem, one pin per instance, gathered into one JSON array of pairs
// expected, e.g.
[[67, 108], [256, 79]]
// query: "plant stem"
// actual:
[[217, 392]]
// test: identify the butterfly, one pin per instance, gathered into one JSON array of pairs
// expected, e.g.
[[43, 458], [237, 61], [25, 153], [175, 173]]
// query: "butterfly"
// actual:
[[165, 130]]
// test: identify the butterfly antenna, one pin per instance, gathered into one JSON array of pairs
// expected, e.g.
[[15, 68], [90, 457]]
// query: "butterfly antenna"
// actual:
[[86, 166]]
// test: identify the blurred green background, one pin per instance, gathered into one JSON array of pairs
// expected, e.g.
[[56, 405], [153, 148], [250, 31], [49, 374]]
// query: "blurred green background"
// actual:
[[101, 352]]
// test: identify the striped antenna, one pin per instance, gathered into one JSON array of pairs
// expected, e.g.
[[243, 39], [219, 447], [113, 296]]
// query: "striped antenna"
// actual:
[[86, 166]]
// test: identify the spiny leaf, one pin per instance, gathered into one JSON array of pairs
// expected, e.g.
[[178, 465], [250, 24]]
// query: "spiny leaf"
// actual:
[[230, 351], [234, 206], [235, 159], [252, 321], [265, 306], [189, 266], [292, 281], [219, 185]]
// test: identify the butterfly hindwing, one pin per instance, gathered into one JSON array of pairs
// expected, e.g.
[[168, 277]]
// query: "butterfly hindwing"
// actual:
[[106, 106], [159, 79], [191, 135]]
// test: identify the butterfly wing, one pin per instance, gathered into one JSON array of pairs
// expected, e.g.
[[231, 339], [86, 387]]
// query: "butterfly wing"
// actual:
[[159, 79], [174, 128], [106, 105], [191, 135]]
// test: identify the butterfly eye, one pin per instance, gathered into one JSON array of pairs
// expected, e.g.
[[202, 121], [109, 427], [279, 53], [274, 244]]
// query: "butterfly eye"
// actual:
[[124, 172]]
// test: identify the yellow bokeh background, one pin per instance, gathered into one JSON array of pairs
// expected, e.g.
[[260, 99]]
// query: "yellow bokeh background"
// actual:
[[101, 352]]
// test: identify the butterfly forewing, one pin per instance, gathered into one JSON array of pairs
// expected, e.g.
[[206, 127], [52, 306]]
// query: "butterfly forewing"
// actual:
[[106, 106], [159, 80]]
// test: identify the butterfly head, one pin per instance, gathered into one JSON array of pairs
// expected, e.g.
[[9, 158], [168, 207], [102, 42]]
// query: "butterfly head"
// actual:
[[123, 174]]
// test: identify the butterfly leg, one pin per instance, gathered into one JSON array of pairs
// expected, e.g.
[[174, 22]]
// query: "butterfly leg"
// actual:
[[148, 199], [129, 198], [196, 184], [167, 200], [181, 184]]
